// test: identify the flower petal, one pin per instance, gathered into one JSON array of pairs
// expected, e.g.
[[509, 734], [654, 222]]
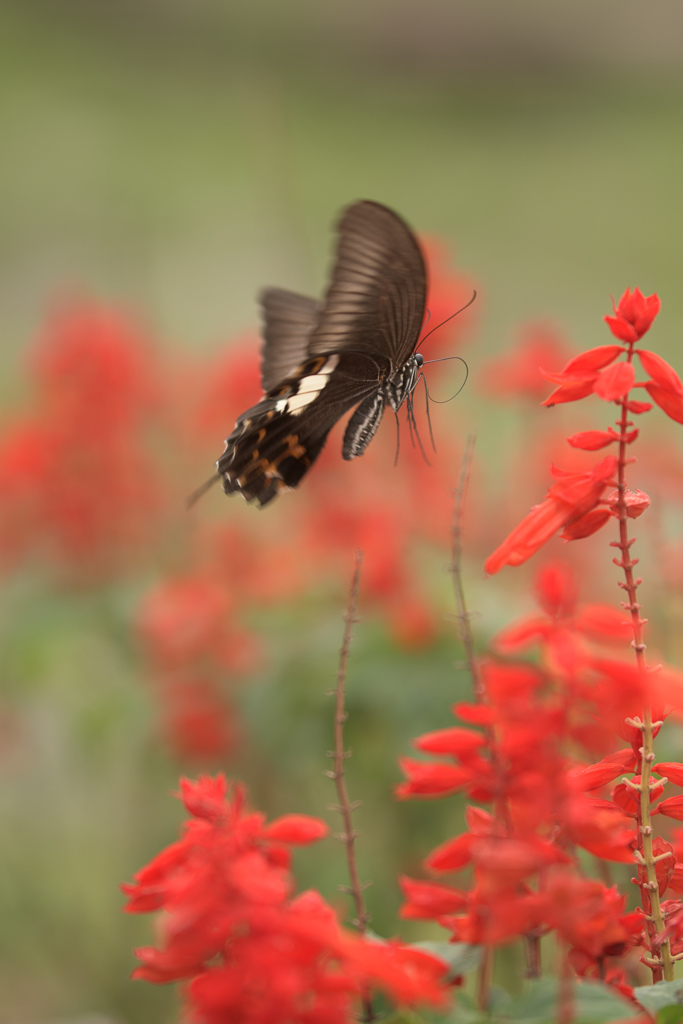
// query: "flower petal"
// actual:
[[593, 359], [615, 382], [671, 403], [537, 527], [660, 371], [593, 440], [586, 525], [621, 328]]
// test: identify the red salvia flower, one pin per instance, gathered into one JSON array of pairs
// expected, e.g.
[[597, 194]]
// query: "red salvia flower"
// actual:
[[582, 376], [518, 372], [254, 954], [590, 917], [568, 503]]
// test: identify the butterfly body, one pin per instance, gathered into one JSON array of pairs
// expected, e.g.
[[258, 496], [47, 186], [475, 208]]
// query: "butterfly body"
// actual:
[[356, 348]]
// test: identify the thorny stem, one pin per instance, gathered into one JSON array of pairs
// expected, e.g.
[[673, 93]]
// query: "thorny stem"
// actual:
[[650, 888], [340, 755]]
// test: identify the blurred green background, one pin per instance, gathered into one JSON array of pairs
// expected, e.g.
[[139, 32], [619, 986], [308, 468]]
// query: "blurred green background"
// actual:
[[173, 157]]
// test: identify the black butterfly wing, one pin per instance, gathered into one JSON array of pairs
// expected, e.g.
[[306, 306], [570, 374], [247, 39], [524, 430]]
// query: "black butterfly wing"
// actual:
[[376, 300], [275, 443], [363, 334], [289, 320]]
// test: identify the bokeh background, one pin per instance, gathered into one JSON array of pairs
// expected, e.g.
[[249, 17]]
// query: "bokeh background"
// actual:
[[162, 161]]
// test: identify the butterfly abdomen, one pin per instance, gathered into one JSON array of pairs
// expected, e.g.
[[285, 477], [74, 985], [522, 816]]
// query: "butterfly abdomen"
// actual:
[[363, 425]]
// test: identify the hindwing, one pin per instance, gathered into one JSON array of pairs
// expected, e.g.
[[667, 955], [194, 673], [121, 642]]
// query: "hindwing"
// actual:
[[289, 320], [275, 443]]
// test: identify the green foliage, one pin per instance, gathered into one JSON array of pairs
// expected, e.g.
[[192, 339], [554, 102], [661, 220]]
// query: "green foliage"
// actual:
[[660, 996], [670, 1015], [460, 956]]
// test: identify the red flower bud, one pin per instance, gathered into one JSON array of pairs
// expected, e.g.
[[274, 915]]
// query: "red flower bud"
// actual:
[[634, 315], [635, 501]]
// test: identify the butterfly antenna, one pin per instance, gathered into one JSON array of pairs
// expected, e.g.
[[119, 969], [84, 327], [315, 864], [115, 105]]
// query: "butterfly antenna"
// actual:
[[201, 491], [457, 313], [444, 359]]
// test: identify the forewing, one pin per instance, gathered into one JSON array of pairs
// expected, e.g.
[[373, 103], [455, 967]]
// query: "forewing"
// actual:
[[376, 300], [289, 320]]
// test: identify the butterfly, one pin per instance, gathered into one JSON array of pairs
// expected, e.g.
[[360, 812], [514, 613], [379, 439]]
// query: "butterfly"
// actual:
[[320, 359]]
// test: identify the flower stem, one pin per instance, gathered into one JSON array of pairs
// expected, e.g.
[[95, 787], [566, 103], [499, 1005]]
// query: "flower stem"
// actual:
[[650, 887], [345, 807]]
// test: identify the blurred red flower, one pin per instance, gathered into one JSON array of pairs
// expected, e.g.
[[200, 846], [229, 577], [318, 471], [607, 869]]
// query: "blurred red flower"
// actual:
[[254, 953], [518, 371], [78, 483]]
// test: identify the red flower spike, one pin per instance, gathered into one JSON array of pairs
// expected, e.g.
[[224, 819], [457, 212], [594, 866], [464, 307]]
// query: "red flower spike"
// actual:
[[615, 382], [296, 829], [636, 502], [668, 401], [593, 440], [633, 316], [230, 922]]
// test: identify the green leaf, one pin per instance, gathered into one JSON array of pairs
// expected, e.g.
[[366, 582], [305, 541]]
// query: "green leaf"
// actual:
[[592, 1003], [670, 1015], [460, 956], [658, 997]]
